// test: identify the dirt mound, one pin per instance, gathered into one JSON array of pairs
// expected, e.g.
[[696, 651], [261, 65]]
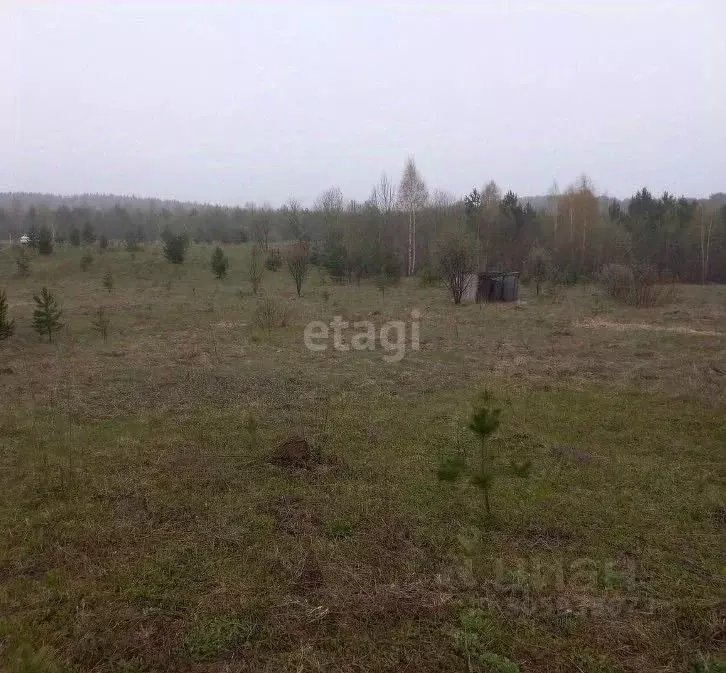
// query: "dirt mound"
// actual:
[[293, 452]]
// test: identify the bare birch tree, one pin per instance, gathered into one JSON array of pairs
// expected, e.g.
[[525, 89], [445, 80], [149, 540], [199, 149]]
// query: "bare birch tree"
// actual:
[[553, 196], [705, 244], [412, 196], [491, 198]]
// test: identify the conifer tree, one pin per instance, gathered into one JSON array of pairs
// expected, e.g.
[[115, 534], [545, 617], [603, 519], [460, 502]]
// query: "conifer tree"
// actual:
[[7, 326], [45, 241], [175, 246], [23, 262], [88, 234], [47, 313], [220, 263], [86, 260]]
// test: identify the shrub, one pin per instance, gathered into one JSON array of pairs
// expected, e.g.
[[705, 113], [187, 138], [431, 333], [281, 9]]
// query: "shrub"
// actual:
[[635, 287], [274, 260], [390, 274], [456, 263], [102, 322], [617, 279], [256, 268], [86, 261], [538, 266], [429, 278], [7, 326], [47, 313], [269, 314], [298, 262], [220, 263]]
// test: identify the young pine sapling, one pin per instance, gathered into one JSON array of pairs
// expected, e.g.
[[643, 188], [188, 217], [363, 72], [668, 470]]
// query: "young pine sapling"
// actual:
[[47, 313], [251, 426], [22, 261], [483, 422], [7, 326], [220, 263], [102, 322], [86, 261]]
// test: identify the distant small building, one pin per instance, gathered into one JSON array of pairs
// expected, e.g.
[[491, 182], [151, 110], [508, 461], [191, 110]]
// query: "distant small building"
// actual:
[[498, 286], [24, 240], [492, 286]]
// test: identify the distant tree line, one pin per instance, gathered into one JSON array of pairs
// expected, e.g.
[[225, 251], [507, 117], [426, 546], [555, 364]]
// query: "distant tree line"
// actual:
[[401, 227]]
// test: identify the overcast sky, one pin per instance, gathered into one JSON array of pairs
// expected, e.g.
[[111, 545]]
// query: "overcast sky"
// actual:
[[254, 101]]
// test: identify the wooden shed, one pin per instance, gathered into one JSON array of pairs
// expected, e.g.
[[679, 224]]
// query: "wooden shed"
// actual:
[[498, 286]]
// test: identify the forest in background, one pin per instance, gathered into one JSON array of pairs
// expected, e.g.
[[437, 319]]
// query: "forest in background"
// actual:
[[401, 226]]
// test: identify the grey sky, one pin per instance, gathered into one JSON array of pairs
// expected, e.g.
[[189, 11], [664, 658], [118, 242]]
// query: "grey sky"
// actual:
[[230, 102]]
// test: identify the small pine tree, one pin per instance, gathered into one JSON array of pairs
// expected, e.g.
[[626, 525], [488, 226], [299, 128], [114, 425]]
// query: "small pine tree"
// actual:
[[23, 262], [74, 237], [132, 241], [538, 266], [7, 326], [45, 241], [88, 234], [175, 247], [273, 261], [102, 322], [86, 261], [107, 281], [483, 422], [47, 313], [220, 263]]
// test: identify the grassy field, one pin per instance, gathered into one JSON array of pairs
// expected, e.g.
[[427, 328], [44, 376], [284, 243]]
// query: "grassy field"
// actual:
[[145, 529]]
